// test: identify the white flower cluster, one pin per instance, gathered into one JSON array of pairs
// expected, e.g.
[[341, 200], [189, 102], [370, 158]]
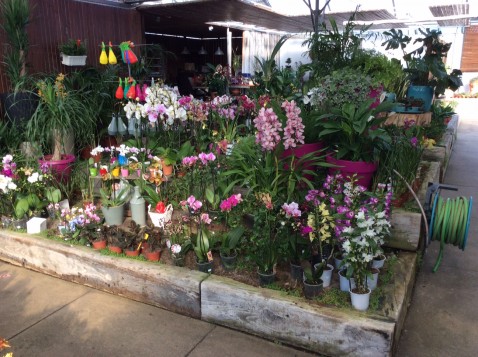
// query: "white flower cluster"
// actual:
[[161, 104], [7, 184], [315, 97], [362, 242]]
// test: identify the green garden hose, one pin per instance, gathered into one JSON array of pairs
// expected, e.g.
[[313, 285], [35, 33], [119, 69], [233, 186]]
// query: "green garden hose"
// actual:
[[450, 222]]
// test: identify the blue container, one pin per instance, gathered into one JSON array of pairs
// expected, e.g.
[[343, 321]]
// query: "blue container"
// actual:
[[422, 92]]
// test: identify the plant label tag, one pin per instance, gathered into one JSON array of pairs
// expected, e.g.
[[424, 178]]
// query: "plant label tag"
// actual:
[[209, 256]]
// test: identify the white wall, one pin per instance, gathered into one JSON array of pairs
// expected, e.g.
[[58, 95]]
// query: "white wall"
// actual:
[[294, 50]]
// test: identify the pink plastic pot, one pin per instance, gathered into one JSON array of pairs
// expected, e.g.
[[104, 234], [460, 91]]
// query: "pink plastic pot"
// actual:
[[364, 170], [60, 169], [302, 150]]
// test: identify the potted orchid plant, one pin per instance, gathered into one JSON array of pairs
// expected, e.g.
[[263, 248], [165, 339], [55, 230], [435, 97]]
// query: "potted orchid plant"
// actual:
[[363, 235], [232, 237], [199, 222]]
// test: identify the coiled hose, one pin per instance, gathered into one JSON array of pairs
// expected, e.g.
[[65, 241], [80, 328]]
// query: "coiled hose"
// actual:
[[450, 223]]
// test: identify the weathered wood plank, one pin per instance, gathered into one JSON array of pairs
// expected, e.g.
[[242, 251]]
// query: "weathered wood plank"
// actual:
[[431, 175], [272, 315], [175, 289], [398, 293], [405, 230]]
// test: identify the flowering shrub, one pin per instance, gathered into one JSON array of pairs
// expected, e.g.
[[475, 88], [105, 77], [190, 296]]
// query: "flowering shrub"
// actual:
[[82, 224], [162, 106], [200, 220], [24, 190], [233, 220], [404, 156], [367, 224], [201, 176]]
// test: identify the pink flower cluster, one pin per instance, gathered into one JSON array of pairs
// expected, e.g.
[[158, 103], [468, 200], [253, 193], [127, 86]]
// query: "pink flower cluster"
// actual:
[[189, 161], [246, 103], [291, 210], [229, 203], [205, 218], [184, 101], [193, 203], [8, 166], [206, 158], [294, 130], [91, 215], [228, 113], [268, 126]]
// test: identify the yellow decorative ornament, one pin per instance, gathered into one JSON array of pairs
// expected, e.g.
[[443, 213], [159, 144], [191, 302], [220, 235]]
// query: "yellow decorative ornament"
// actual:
[[103, 56], [111, 55], [115, 172]]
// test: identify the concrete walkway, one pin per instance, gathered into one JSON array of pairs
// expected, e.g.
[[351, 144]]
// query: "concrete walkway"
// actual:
[[45, 316], [442, 319]]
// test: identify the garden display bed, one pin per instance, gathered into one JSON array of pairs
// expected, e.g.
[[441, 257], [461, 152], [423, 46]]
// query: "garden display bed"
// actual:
[[271, 314]]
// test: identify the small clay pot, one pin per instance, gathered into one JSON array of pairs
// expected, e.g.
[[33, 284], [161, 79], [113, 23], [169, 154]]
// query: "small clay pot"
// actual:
[[115, 249], [132, 253], [152, 256], [98, 245]]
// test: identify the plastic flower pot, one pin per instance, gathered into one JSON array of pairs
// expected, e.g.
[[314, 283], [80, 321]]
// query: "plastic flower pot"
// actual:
[[364, 170], [115, 249], [266, 278], [312, 290], [98, 245], [152, 256], [115, 172], [132, 253], [360, 301], [60, 169], [228, 262], [205, 267], [113, 215], [93, 171]]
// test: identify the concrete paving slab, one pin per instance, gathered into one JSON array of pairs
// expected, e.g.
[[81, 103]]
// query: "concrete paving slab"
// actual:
[[442, 317], [100, 324], [27, 297], [443, 314], [222, 341]]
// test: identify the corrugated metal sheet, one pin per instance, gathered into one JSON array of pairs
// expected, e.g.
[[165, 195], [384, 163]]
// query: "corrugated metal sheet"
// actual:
[[451, 10], [56, 21]]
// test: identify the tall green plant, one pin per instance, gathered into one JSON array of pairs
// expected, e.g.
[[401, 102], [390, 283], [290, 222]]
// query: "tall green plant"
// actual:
[[354, 130], [16, 17], [268, 74], [332, 49], [60, 111], [425, 65]]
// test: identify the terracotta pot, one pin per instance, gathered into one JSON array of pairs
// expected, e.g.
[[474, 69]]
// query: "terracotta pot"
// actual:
[[115, 249], [98, 245], [132, 253], [152, 256], [167, 169]]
